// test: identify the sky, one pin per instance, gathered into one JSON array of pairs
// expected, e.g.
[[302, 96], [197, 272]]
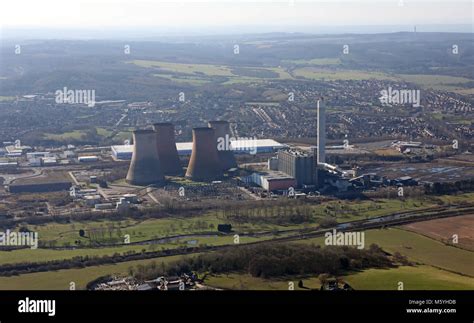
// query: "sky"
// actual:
[[221, 13]]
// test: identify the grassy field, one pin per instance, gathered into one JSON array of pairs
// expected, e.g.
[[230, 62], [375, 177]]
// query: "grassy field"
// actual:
[[42, 254], [238, 281], [457, 198], [60, 279], [438, 82], [316, 73], [313, 69], [412, 277], [423, 250], [140, 230], [416, 247], [358, 210], [77, 135], [184, 79], [28, 255], [198, 74], [314, 61], [6, 98], [103, 132], [206, 69], [419, 249], [67, 234]]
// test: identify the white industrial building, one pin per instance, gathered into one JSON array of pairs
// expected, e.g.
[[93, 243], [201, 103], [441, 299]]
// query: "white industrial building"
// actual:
[[124, 152]]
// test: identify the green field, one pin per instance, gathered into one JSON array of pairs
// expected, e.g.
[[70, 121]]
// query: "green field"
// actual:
[[103, 132], [198, 74], [140, 230], [358, 210], [419, 249], [60, 279], [206, 69], [412, 277], [72, 135], [43, 255], [29, 255], [238, 281], [313, 69], [67, 234], [438, 82], [6, 98], [314, 61], [423, 250], [184, 79], [316, 73], [459, 198]]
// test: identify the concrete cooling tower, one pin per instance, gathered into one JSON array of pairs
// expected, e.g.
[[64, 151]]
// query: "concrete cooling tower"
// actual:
[[145, 165], [204, 164], [166, 147], [222, 135]]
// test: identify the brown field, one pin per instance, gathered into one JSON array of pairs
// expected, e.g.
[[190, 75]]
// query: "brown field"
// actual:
[[444, 229]]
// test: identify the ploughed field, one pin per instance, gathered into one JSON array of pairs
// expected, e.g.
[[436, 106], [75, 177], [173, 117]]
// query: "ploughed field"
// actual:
[[444, 230]]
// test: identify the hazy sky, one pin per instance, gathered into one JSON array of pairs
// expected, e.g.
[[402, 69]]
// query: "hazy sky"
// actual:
[[189, 13]]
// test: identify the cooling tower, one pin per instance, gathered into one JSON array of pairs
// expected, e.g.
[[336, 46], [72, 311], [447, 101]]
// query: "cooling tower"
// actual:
[[145, 165], [166, 147], [204, 164], [321, 132], [222, 141]]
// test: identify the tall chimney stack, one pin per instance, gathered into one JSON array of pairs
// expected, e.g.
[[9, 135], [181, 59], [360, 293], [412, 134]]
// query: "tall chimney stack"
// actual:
[[145, 165], [166, 147], [204, 164], [222, 142], [321, 132]]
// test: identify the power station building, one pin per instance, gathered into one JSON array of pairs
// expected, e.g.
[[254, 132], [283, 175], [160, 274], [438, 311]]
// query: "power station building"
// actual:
[[298, 164], [145, 168], [155, 153]]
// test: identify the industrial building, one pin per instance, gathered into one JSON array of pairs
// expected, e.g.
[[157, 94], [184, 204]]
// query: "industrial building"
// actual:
[[306, 168], [17, 149], [38, 154], [271, 180], [50, 182], [88, 159], [261, 146], [6, 164], [299, 165]]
